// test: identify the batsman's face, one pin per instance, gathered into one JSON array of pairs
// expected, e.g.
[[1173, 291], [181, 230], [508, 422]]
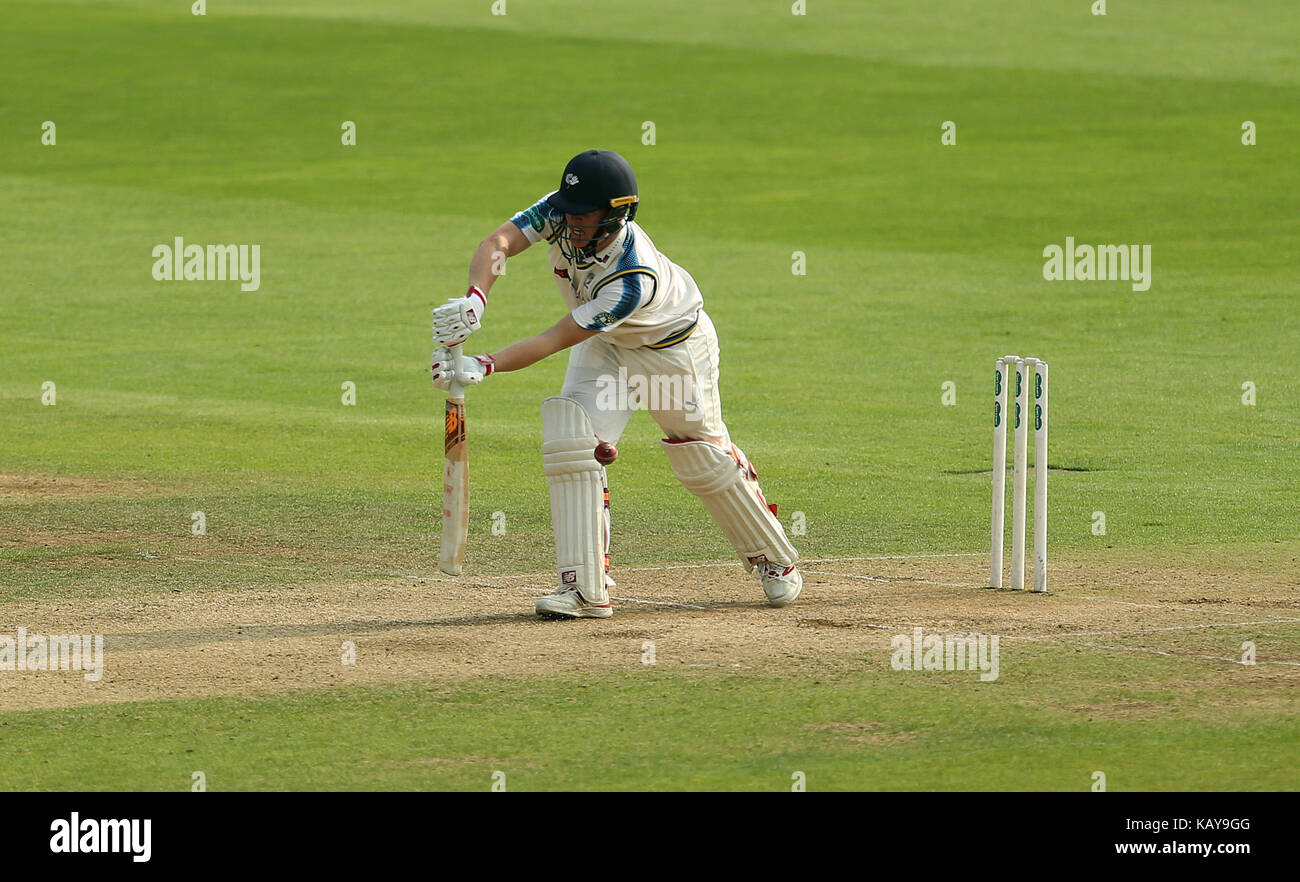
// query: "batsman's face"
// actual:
[[583, 226]]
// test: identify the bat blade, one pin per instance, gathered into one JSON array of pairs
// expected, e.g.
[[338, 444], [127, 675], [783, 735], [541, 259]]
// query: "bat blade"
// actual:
[[455, 485]]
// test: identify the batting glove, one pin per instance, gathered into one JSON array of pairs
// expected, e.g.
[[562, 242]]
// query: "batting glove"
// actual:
[[469, 370], [459, 317]]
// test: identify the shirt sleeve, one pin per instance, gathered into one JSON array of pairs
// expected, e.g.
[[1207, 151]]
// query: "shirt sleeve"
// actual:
[[536, 221], [616, 298]]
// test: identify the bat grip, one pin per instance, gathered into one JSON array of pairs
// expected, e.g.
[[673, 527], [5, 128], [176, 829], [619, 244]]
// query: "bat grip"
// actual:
[[456, 389]]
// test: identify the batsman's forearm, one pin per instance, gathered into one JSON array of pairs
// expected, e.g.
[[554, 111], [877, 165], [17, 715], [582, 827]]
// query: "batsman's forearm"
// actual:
[[528, 351], [491, 250], [562, 335]]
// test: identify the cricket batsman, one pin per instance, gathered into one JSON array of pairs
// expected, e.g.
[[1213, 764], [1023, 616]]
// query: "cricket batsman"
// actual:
[[633, 315]]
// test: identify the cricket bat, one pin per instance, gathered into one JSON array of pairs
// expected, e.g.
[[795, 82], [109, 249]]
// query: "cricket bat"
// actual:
[[455, 480]]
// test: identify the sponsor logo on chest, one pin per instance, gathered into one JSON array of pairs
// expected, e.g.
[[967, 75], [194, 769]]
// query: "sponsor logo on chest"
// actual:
[[581, 289]]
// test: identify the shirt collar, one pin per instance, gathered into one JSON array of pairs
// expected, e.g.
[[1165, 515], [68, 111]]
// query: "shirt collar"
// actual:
[[605, 256]]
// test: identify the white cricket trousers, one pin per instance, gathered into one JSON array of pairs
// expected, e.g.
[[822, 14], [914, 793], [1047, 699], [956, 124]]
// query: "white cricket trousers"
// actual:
[[678, 384]]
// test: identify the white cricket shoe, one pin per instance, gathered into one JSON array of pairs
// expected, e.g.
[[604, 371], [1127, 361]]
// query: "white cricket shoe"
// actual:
[[781, 584], [566, 602]]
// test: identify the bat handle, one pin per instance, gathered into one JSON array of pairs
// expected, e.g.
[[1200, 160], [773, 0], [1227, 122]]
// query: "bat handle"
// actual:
[[456, 389]]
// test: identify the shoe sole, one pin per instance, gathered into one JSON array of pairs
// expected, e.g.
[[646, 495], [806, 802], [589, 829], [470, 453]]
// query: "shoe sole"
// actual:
[[577, 614], [786, 600]]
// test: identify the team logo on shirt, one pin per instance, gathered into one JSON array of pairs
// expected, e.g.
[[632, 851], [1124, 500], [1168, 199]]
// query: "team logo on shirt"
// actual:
[[535, 218], [603, 319], [562, 273]]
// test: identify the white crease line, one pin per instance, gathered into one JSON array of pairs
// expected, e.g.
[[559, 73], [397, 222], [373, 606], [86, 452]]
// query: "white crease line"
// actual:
[[657, 602], [514, 576], [308, 568], [1275, 617], [899, 579], [442, 577], [722, 564], [445, 578], [235, 563], [898, 556], [1037, 638], [700, 566], [454, 579], [729, 564], [846, 576]]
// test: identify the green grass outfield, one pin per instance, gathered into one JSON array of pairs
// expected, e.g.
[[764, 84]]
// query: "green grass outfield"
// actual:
[[693, 730], [775, 133]]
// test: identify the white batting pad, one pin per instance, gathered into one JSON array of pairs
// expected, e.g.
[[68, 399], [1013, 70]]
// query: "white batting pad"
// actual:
[[577, 496], [733, 498]]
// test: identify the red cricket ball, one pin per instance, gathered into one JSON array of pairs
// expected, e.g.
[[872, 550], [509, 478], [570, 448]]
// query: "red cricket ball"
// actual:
[[606, 453]]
